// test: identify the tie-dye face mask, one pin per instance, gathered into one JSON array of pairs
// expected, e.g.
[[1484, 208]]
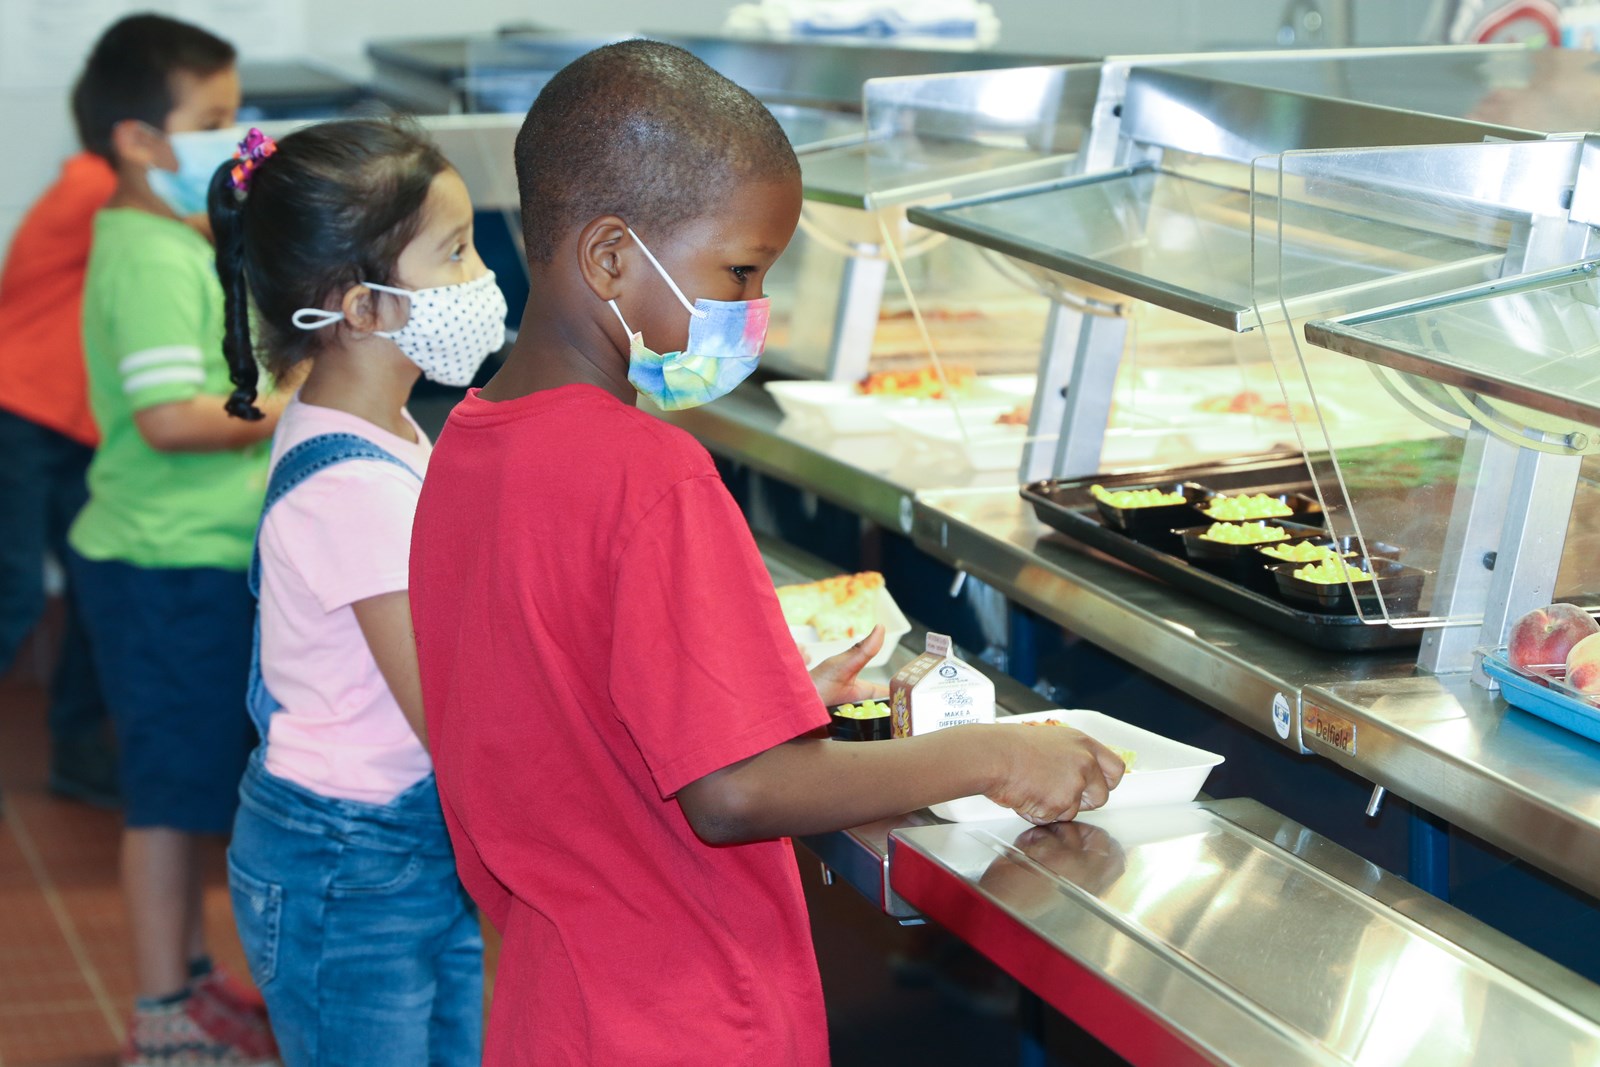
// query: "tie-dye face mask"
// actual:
[[726, 338]]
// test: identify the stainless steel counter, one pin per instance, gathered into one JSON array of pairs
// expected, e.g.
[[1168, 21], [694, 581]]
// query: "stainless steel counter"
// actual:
[[1216, 932], [1520, 784], [1221, 932], [1511, 778]]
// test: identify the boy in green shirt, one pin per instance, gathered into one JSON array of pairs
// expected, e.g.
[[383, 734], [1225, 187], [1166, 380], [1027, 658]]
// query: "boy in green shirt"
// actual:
[[161, 549]]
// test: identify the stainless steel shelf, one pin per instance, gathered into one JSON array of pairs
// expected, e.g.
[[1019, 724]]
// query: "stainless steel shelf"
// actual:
[[1221, 932], [1460, 751]]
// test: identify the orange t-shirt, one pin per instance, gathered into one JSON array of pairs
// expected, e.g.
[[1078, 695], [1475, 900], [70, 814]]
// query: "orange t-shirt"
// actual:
[[42, 374]]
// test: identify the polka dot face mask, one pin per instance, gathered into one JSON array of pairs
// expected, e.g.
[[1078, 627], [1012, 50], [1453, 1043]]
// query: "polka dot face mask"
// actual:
[[726, 338], [451, 331]]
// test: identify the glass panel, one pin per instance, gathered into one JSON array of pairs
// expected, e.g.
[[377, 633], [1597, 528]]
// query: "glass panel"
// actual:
[[1184, 242], [1530, 343], [903, 166], [971, 333], [1395, 458]]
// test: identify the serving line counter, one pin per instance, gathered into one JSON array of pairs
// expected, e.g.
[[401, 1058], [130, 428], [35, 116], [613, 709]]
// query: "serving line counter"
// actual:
[[1513, 780], [1215, 932]]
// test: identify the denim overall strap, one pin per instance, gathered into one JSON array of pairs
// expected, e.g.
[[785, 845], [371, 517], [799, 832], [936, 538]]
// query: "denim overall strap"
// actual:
[[293, 467]]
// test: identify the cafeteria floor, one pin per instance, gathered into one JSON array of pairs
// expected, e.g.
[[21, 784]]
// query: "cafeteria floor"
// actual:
[[895, 995]]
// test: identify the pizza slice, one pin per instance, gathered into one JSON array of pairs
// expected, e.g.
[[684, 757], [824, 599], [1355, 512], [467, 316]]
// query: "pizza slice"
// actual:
[[838, 608]]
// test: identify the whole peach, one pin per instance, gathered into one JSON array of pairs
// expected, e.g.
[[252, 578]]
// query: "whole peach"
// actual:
[[1546, 635], [1583, 665]]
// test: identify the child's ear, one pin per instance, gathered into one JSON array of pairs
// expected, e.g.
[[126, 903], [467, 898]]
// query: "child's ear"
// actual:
[[600, 245], [361, 309], [138, 145]]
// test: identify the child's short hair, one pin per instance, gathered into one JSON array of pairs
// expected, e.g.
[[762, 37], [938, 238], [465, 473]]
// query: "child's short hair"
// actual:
[[332, 207], [129, 75], [642, 130]]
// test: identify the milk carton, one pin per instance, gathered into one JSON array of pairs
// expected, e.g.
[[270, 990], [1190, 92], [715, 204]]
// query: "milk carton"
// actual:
[[936, 690]]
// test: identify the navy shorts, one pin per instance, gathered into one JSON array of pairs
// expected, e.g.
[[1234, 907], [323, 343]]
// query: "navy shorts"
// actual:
[[172, 648]]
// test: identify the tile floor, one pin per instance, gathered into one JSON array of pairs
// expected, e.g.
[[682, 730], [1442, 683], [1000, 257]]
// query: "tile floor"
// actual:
[[66, 974]]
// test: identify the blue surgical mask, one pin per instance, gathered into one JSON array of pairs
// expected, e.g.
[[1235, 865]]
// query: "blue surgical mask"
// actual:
[[726, 338], [199, 154]]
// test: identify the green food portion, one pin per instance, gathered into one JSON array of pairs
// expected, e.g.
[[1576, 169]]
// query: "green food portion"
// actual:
[[1135, 498], [867, 709], [1332, 572], [1237, 508], [1304, 552], [1244, 533]]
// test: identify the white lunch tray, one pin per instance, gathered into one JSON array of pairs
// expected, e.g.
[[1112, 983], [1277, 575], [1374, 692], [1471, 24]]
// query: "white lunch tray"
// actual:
[[1164, 771]]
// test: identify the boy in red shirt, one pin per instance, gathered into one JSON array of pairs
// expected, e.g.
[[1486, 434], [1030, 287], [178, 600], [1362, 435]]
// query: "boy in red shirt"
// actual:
[[622, 728]]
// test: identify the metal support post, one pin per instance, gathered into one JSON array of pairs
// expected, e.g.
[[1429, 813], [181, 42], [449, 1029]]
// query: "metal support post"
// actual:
[[1477, 518], [1088, 402], [1050, 395], [1529, 560], [860, 298]]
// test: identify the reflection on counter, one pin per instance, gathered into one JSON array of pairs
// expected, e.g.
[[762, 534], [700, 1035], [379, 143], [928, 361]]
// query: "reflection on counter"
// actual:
[[1250, 954]]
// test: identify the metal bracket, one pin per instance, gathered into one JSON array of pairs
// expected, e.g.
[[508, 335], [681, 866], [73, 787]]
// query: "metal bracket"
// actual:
[[1375, 802], [1049, 397], [1502, 553]]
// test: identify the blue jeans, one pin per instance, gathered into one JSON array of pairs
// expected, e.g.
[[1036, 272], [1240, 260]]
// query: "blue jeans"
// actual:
[[356, 928], [42, 488]]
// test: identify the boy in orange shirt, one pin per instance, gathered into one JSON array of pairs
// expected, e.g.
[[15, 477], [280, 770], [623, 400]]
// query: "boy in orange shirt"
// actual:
[[47, 437]]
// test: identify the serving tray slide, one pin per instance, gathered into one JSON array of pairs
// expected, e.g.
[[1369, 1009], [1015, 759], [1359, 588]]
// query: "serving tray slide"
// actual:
[[1067, 506]]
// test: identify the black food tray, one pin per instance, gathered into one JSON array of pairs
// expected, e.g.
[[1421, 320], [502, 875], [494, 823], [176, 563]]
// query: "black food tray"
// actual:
[[1066, 505]]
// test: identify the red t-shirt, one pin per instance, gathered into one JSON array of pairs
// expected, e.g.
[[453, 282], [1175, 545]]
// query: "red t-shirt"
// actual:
[[595, 631], [42, 375]]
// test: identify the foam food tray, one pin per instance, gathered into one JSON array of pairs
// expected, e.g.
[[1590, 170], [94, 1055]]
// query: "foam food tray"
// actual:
[[1164, 771]]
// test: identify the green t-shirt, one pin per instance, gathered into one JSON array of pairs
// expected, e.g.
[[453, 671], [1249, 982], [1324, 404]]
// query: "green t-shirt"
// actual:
[[152, 334]]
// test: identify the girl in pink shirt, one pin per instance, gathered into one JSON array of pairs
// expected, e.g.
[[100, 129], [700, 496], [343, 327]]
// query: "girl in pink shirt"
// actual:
[[352, 242]]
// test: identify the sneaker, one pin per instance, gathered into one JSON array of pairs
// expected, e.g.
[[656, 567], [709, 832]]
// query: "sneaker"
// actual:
[[175, 1035], [234, 1011]]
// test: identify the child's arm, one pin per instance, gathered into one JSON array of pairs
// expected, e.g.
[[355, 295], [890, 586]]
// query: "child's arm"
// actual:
[[201, 424], [810, 785], [385, 622]]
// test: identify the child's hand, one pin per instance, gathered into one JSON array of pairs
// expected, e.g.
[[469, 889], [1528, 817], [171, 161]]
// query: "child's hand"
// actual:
[[836, 677], [1053, 774]]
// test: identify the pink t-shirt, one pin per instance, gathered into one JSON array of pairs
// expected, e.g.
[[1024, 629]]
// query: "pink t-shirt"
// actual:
[[341, 536]]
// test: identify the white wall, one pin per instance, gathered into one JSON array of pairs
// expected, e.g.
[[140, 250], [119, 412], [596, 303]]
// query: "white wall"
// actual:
[[42, 42]]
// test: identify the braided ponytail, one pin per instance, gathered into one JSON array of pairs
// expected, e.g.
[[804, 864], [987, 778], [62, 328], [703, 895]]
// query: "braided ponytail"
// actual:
[[226, 209]]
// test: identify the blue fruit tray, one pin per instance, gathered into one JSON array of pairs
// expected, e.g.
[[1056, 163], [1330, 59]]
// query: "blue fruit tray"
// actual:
[[1542, 690]]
